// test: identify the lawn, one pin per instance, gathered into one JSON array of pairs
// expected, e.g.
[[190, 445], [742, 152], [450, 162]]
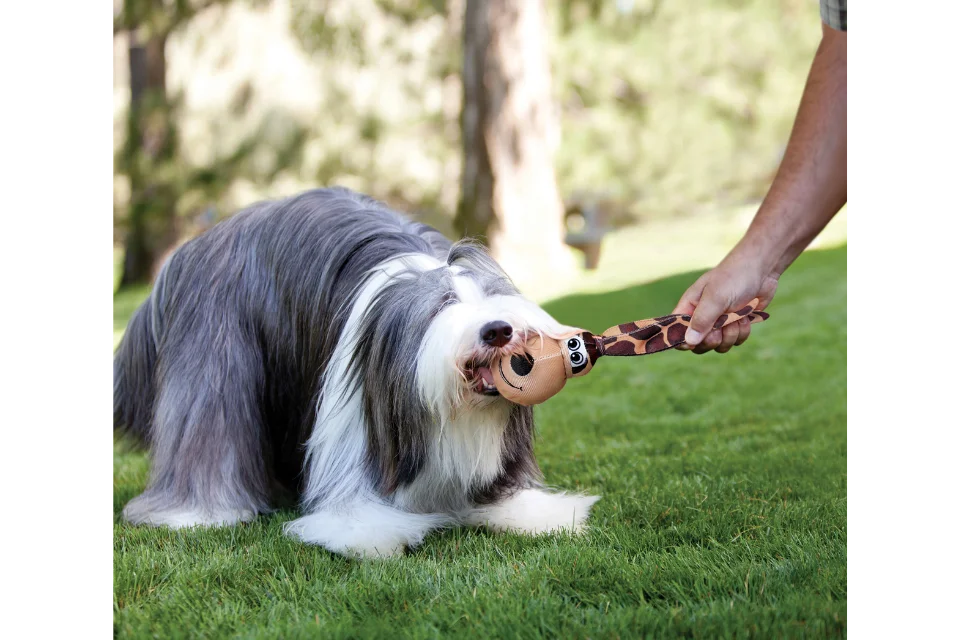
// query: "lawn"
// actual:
[[723, 513]]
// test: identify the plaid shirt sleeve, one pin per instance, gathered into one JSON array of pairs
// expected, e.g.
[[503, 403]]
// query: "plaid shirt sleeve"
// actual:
[[834, 14]]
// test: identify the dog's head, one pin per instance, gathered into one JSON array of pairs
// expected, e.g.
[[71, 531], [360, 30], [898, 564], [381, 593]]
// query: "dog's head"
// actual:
[[484, 319], [427, 334], [435, 332]]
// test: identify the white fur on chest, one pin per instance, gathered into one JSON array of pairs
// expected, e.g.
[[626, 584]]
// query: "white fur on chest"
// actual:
[[466, 455]]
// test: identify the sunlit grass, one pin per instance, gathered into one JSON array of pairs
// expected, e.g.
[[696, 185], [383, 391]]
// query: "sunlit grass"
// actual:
[[660, 248], [125, 301], [117, 267]]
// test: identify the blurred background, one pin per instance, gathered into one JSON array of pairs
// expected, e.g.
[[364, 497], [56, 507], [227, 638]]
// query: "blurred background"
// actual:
[[594, 144]]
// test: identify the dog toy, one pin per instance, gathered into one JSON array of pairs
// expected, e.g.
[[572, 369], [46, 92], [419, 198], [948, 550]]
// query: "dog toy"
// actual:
[[541, 370]]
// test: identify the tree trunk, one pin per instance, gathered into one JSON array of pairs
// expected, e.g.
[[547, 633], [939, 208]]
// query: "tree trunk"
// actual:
[[509, 188], [148, 158]]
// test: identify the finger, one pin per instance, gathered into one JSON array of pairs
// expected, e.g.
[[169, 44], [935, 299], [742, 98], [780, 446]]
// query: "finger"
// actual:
[[710, 307], [729, 336], [710, 342], [744, 331], [687, 304]]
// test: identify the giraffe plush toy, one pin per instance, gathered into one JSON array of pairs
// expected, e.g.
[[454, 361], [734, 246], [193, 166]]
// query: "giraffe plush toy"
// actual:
[[542, 368]]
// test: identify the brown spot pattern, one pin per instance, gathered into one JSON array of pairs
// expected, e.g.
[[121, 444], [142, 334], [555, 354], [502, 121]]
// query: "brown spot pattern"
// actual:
[[628, 327], [620, 348], [655, 344], [676, 334], [665, 321], [720, 321], [745, 311], [647, 332]]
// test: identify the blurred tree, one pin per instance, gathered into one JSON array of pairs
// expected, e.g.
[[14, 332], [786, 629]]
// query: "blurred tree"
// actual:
[[151, 139], [499, 113], [150, 158], [510, 131]]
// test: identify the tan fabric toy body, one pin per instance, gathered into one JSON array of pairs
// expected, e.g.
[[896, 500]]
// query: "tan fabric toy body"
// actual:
[[542, 369]]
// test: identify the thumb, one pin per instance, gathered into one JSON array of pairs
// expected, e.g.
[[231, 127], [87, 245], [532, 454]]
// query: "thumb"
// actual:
[[710, 307], [690, 298]]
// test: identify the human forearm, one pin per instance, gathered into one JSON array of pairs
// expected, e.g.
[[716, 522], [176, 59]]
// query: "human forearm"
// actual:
[[808, 190], [811, 183]]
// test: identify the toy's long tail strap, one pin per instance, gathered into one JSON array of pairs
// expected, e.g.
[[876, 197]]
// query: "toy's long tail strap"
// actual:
[[659, 334]]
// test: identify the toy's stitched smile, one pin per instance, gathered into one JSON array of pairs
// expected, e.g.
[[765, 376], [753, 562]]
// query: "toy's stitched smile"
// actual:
[[504, 378]]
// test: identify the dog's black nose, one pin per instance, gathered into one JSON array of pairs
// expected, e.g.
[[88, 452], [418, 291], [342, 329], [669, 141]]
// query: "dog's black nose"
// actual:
[[496, 333]]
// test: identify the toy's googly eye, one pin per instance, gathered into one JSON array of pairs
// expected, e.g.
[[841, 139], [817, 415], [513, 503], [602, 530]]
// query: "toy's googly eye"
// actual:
[[576, 357], [573, 344]]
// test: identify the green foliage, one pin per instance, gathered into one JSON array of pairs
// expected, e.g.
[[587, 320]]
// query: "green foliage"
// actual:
[[163, 17], [166, 179], [665, 107], [387, 121], [668, 107], [723, 513]]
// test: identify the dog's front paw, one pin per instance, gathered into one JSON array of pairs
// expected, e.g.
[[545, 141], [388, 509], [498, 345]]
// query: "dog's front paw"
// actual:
[[366, 530], [386, 549], [534, 511], [339, 533]]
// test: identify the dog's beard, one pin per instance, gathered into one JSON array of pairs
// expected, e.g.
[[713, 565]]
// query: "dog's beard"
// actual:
[[454, 367]]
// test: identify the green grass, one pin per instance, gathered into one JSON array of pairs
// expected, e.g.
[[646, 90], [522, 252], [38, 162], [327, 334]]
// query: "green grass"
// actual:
[[723, 514]]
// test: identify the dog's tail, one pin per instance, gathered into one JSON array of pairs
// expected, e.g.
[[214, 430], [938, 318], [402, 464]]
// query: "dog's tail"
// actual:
[[133, 375]]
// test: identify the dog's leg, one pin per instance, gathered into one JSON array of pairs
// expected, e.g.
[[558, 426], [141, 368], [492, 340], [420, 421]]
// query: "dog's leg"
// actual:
[[533, 511], [365, 528], [208, 460]]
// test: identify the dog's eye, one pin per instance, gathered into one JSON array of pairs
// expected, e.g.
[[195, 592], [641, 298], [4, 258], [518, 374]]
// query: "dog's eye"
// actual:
[[576, 357], [573, 344]]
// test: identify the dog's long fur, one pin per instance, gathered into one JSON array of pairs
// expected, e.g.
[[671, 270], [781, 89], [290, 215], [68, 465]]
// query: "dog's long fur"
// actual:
[[317, 346]]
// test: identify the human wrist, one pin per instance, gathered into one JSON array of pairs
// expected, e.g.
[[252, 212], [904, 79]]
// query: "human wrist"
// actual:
[[757, 253]]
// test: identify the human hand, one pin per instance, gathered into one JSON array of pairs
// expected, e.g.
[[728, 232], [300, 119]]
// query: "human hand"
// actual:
[[728, 287]]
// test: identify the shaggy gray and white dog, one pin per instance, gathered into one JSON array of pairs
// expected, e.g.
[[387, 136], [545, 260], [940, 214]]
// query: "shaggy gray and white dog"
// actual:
[[324, 347]]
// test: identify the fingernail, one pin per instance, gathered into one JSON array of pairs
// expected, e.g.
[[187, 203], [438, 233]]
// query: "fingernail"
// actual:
[[693, 336]]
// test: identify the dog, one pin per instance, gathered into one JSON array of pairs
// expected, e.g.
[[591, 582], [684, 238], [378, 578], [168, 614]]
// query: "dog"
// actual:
[[325, 348]]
